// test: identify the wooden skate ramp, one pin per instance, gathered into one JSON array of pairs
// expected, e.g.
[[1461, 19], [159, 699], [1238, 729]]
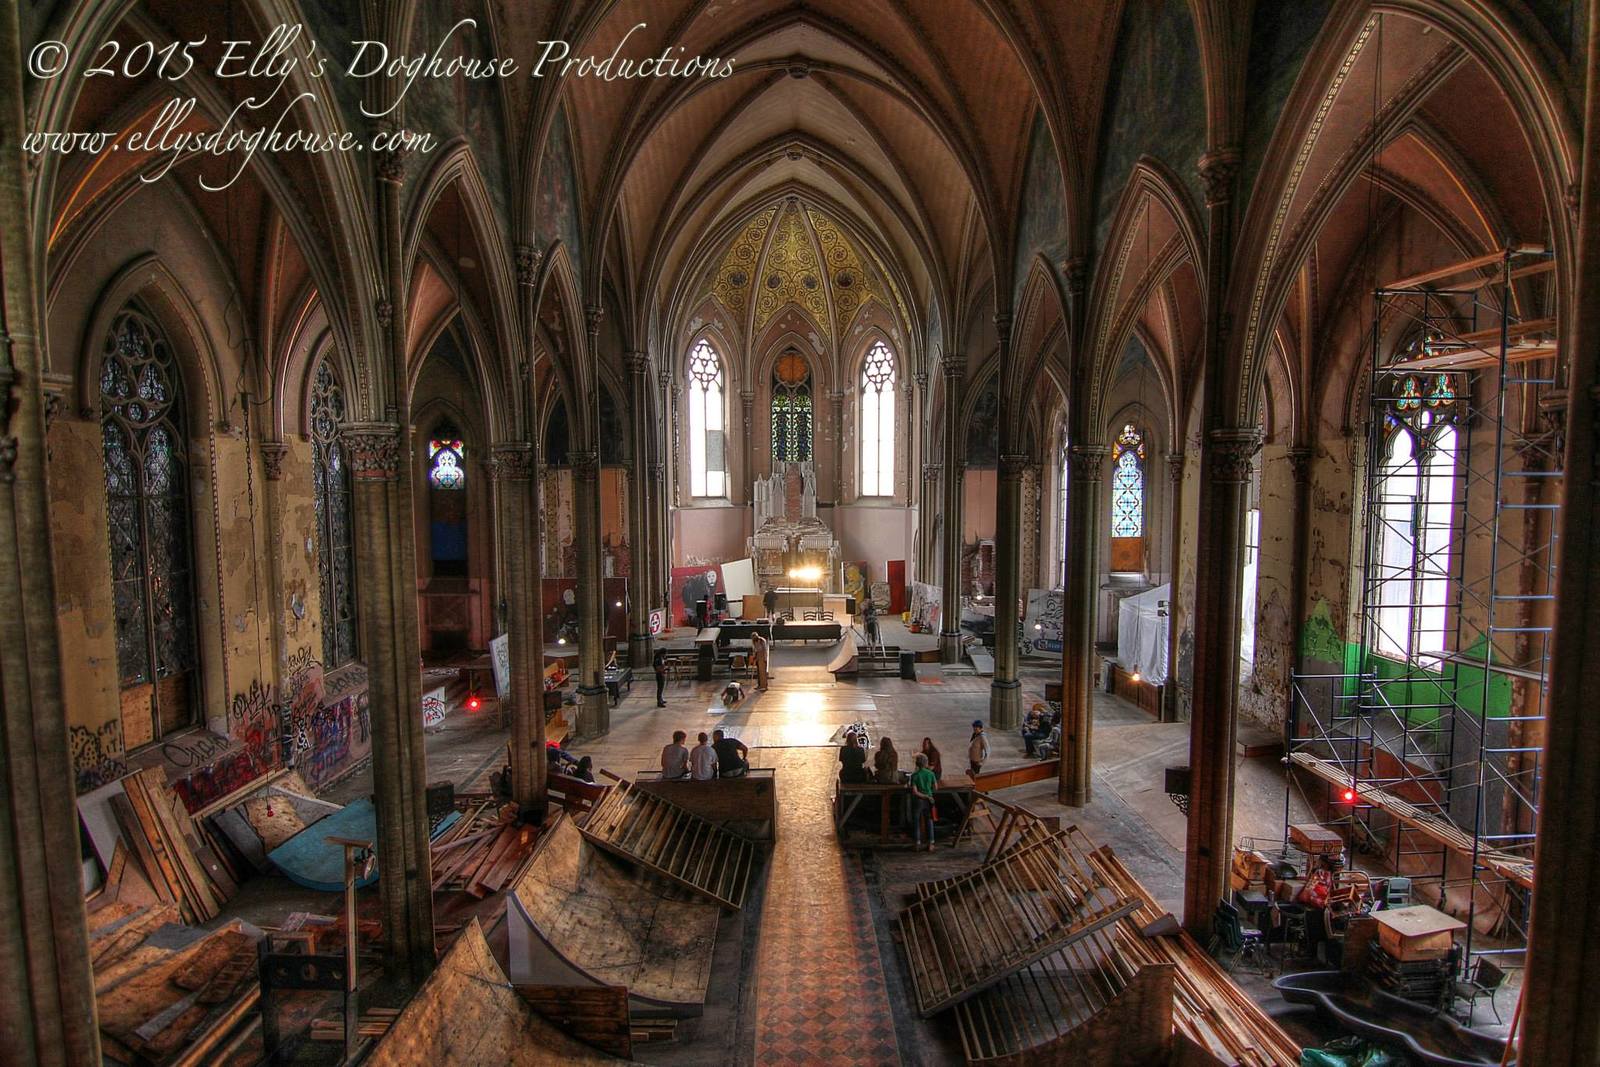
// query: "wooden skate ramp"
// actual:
[[466, 1014], [577, 918], [981, 927], [654, 834]]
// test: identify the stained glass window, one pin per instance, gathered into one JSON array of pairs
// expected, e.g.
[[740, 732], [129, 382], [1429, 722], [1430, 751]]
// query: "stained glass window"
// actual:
[[1127, 484], [708, 453], [877, 422], [330, 477], [446, 470], [791, 409], [147, 513]]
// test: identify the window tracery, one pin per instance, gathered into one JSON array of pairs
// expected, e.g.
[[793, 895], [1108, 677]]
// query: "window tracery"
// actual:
[[330, 476], [708, 453], [791, 409], [877, 422], [1127, 484]]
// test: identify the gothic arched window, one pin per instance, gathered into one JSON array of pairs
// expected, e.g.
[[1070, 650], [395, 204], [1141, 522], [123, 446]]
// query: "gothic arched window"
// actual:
[[447, 501], [708, 436], [877, 422], [330, 480], [145, 445], [1415, 514], [1127, 484], [446, 466], [791, 409]]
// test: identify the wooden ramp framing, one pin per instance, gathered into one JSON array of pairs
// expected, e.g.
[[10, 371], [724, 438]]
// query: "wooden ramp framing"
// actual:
[[973, 931], [1514, 868], [659, 836]]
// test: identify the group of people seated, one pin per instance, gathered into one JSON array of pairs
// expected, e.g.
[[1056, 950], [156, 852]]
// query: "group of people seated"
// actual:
[[719, 756], [559, 761], [1041, 732], [885, 762]]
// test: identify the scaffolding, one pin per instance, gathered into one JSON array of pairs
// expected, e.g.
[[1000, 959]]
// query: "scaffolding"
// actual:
[[1428, 737]]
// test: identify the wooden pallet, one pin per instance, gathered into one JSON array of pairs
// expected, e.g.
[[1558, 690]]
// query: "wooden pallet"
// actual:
[[1507, 865], [676, 844], [979, 928]]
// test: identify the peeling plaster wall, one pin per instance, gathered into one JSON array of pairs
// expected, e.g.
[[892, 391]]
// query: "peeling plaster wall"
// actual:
[[1264, 689]]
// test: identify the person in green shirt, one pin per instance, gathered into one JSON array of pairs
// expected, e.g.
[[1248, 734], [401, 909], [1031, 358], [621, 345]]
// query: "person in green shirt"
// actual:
[[923, 784]]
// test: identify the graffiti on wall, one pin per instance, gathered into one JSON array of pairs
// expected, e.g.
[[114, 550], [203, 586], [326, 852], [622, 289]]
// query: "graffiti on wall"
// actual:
[[97, 755]]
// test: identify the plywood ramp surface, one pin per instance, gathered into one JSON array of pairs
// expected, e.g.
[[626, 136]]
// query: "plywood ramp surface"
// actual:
[[466, 1014], [614, 926], [658, 836]]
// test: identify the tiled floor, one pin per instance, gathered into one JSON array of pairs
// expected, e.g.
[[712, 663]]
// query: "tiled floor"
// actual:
[[820, 996]]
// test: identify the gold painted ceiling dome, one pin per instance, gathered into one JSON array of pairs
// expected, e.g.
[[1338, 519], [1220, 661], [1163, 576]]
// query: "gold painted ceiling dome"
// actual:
[[797, 255]]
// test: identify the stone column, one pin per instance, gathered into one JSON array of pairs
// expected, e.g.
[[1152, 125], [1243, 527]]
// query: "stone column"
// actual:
[[932, 475], [1213, 727], [747, 471], [594, 712], [1299, 458], [1563, 970], [515, 466], [386, 594], [640, 644], [47, 1016], [1005, 691], [1169, 692], [1085, 490], [955, 369], [842, 479]]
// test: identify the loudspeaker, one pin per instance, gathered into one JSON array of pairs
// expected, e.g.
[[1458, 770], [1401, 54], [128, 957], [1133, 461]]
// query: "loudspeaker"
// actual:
[[721, 603], [849, 605]]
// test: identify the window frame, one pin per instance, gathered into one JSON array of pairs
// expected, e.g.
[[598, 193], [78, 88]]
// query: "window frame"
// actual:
[[333, 491], [879, 394], [697, 396]]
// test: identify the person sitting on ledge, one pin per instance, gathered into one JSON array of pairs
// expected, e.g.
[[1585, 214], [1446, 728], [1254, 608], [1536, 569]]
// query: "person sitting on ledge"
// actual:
[[886, 764], [854, 758], [1036, 727], [584, 769], [703, 760], [733, 758], [675, 758]]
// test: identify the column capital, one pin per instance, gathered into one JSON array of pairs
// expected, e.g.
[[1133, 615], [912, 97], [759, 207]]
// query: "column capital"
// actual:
[[664, 376], [636, 362], [1299, 458], [272, 453], [529, 258], [592, 314], [373, 448], [1013, 464], [1075, 271], [1002, 326], [953, 367], [383, 308], [932, 472], [1233, 449], [658, 471], [1174, 466], [1087, 462], [585, 464], [512, 461], [921, 379], [1218, 169], [390, 167]]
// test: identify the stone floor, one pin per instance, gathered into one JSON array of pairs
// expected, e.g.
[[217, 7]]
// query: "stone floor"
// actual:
[[818, 979]]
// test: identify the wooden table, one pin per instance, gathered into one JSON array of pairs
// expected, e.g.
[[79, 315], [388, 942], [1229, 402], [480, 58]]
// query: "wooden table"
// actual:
[[950, 798]]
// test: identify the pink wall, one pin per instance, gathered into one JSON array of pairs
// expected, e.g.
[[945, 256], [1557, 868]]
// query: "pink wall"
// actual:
[[978, 499], [710, 533]]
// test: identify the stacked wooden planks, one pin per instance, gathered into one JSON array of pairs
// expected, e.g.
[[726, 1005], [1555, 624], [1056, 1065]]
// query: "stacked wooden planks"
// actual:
[[676, 844], [1518, 869], [483, 852], [1208, 1008], [178, 856], [972, 931]]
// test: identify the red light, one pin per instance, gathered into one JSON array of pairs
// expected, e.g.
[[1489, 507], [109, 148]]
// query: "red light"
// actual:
[[473, 702], [1349, 796]]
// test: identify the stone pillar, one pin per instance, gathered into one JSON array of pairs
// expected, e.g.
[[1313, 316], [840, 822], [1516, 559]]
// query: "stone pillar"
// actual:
[[1213, 727], [640, 644], [515, 466], [386, 594], [1299, 457], [594, 712], [1563, 970], [842, 480], [955, 369], [1085, 488], [1005, 691], [1169, 692], [47, 1016], [747, 468], [932, 475]]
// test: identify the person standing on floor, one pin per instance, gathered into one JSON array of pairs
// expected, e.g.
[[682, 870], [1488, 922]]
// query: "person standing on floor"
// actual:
[[935, 761], [923, 783], [675, 758], [977, 748], [869, 617], [760, 648], [769, 603], [703, 760], [660, 664]]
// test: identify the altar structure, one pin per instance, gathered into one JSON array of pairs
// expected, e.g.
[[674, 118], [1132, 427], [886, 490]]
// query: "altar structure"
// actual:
[[789, 539]]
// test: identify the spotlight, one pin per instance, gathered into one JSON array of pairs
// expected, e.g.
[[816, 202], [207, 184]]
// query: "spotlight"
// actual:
[[1038, 626], [619, 603], [473, 703], [1135, 676], [561, 640], [1349, 796]]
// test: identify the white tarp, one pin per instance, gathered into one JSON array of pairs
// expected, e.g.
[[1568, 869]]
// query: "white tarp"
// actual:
[[1142, 634]]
